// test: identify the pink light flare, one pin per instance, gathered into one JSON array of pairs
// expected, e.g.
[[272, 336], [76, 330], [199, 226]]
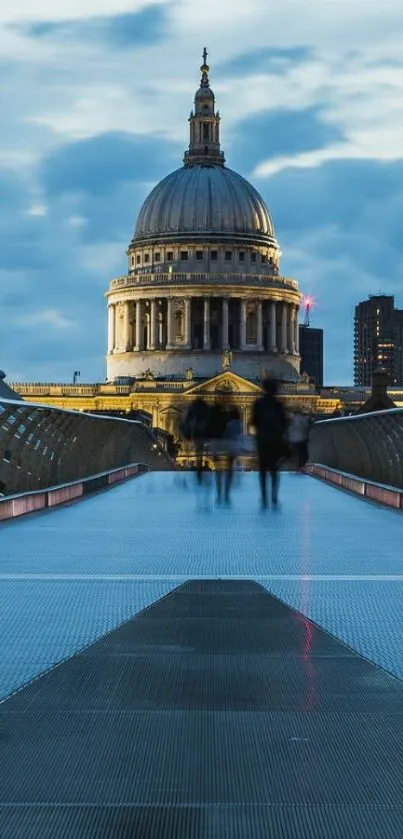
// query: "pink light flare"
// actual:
[[308, 302]]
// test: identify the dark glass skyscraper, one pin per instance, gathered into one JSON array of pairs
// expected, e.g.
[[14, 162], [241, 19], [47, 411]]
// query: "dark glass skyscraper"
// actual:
[[378, 340], [311, 352]]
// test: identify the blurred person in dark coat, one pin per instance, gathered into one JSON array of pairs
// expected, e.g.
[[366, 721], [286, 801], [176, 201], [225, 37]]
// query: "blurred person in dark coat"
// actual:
[[269, 420]]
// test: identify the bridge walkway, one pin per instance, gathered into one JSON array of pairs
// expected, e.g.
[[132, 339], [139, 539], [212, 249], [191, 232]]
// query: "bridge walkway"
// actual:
[[169, 668]]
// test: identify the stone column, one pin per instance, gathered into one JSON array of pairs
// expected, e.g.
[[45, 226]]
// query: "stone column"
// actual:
[[225, 323], [188, 311], [242, 326], [152, 334], [244, 420], [206, 325], [111, 328], [139, 326], [296, 331], [284, 317], [259, 315], [273, 327], [291, 342], [169, 323], [126, 325]]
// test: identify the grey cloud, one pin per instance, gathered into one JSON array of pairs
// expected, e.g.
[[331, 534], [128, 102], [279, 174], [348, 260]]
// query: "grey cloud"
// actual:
[[122, 31], [339, 227], [273, 133], [272, 59], [97, 165]]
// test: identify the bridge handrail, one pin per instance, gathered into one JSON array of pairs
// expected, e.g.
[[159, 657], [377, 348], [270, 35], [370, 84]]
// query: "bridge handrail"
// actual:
[[374, 491], [87, 480], [369, 446], [21, 503], [42, 446], [352, 476], [358, 417]]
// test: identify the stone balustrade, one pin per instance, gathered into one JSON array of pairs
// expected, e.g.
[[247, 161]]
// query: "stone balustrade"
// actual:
[[219, 279]]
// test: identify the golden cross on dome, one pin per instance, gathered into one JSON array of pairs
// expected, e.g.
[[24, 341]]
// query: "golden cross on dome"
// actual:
[[205, 68]]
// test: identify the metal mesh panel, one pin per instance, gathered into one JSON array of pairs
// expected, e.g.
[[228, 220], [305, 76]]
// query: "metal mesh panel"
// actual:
[[42, 446], [368, 445]]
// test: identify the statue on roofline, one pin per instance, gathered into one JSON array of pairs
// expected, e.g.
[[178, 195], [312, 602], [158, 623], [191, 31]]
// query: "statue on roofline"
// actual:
[[226, 359]]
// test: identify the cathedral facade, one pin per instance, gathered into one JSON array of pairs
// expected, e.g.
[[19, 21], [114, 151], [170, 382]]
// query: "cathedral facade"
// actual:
[[203, 309], [203, 291]]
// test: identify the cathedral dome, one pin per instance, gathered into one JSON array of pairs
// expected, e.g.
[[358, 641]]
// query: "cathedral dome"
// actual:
[[204, 200], [203, 289]]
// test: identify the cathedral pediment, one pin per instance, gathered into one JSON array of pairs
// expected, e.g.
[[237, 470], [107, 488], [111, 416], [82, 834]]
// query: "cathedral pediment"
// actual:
[[226, 383]]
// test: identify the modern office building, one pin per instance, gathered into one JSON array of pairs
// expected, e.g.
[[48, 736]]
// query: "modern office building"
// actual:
[[378, 340], [311, 352]]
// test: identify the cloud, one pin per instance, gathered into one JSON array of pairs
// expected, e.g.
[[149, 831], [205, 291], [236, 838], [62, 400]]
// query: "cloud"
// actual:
[[37, 210], [48, 10], [272, 59], [44, 317], [336, 151], [312, 104], [274, 133], [339, 227], [98, 185], [147, 25], [97, 165]]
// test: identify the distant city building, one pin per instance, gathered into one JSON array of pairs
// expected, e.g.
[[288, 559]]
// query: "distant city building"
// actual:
[[378, 340], [311, 352]]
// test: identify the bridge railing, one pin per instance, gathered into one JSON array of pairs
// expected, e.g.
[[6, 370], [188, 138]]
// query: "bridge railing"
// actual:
[[21, 503], [42, 446], [367, 445]]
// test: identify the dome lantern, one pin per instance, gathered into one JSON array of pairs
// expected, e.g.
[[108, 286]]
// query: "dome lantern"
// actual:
[[204, 146], [205, 198]]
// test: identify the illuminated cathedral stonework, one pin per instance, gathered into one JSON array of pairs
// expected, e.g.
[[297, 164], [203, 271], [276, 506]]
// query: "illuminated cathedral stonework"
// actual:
[[203, 292], [203, 309]]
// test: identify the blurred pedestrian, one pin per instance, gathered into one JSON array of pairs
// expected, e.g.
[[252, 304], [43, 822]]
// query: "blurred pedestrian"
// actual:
[[298, 436], [216, 425], [232, 439], [270, 423], [194, 429]]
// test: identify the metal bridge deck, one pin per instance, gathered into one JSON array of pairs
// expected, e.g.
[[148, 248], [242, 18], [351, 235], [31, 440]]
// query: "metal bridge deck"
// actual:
[[219, 711]]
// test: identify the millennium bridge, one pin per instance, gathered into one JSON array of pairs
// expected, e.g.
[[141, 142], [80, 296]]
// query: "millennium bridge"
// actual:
[[174, 669]]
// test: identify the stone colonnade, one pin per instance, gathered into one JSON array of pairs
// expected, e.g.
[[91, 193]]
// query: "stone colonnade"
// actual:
[[171, 324]]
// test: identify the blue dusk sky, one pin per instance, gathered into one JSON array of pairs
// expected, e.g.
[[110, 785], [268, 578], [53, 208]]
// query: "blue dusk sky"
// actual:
[[94, 100]]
